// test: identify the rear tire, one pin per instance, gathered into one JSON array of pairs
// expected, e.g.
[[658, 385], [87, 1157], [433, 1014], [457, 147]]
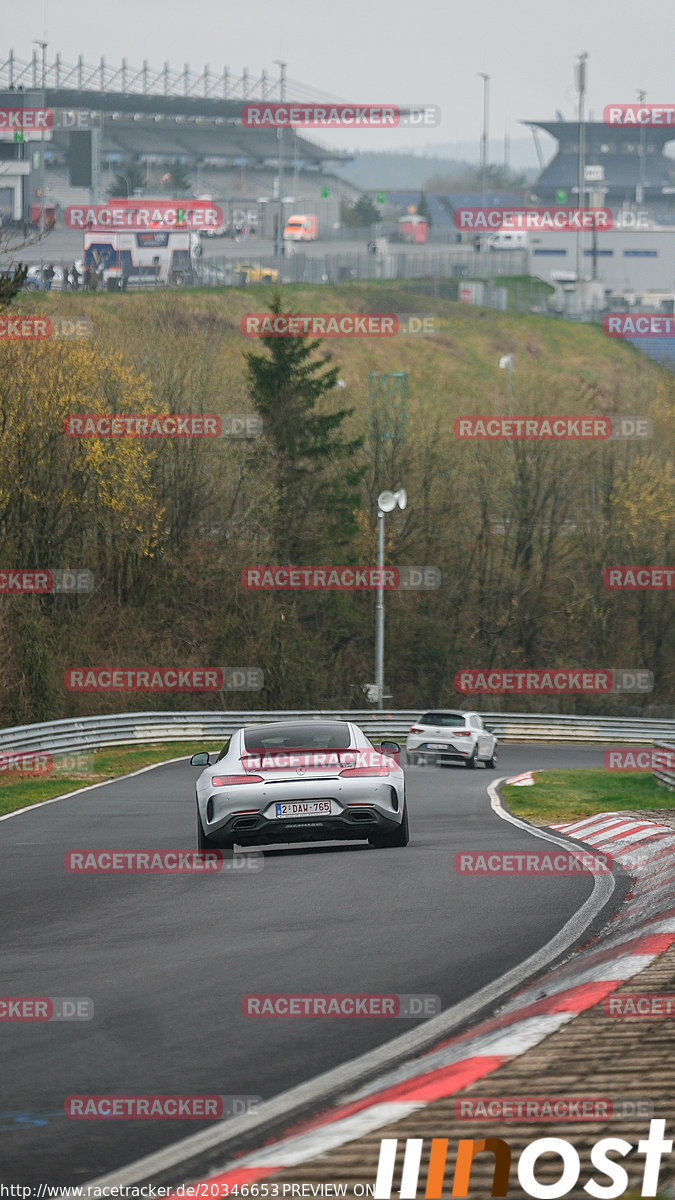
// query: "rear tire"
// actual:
[[492, 762], [206, 843], [398, 837], [203, 843], [471, 762]]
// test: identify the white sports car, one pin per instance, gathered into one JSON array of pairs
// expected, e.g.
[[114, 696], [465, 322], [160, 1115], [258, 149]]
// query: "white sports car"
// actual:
[[446, 736], [299, 781]]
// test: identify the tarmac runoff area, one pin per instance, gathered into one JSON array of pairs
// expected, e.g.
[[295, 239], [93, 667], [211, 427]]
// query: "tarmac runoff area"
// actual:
[[553, 1038]]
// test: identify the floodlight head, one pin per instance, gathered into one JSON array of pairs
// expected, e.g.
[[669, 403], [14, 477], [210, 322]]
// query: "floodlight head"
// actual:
[[387, 501]]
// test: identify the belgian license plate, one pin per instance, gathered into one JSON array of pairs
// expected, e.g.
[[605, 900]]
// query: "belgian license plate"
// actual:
[[435, 746], [302, 808]]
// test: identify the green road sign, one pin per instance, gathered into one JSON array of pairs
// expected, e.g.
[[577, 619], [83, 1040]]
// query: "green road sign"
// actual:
[[560, 196], [18, 135], [325, 193], [381, 197]]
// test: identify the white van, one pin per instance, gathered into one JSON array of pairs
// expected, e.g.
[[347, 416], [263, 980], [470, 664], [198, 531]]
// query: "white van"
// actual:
[[509, 239]]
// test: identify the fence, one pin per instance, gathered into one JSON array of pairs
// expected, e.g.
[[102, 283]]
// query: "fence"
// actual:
[[664, 774], [147, 727]]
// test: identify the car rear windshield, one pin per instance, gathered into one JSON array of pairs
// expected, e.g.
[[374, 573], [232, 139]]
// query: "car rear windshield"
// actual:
[[312, 735], [442, 718]]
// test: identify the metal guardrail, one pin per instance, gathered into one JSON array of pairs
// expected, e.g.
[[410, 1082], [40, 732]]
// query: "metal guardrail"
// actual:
[[664, 774], [144, 728]]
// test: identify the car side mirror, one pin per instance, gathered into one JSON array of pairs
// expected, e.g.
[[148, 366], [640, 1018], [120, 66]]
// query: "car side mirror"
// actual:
[[200, 760], [390, 747]]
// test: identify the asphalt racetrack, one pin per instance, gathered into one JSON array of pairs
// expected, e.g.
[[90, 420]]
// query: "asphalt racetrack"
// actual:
[[166, 959]]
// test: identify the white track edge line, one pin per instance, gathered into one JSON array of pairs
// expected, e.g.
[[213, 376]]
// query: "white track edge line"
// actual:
[[90, 787]]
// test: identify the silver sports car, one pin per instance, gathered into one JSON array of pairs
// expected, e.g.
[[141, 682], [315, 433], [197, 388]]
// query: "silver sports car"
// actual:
[[300, 781]]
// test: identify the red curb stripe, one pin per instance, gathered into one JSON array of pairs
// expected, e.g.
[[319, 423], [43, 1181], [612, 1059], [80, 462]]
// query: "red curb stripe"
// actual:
[[435, 1086], [574, 1000], [432, 1085], [642, 943], [626, 834], [237, 1176], [443, 1081]]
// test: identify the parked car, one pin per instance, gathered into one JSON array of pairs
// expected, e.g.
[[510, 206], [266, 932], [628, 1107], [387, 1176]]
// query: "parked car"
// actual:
[[31, 282], [255, 273], [446, 736], [516, 239]]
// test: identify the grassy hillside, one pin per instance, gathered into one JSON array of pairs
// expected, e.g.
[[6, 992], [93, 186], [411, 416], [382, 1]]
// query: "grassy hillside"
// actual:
[[520, 531]]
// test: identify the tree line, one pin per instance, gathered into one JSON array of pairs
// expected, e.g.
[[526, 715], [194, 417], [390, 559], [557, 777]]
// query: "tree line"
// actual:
[[520, 531]]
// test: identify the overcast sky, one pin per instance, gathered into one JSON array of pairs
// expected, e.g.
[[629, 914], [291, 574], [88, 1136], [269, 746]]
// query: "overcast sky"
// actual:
[[394, 51]]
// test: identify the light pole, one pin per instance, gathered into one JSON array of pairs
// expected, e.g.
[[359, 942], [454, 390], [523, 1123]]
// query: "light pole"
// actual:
[[386, 502], [279, 247], [581, 89], [37, 42], [484, 139], [639, 187]]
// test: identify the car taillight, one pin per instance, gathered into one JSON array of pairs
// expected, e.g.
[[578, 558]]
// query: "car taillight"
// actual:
[[230, 780], [416, 729], [461, 733], [365, 772]]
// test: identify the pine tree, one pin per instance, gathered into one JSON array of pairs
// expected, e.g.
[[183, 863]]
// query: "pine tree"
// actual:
[[11, 283], [309, 461], [423, 209]]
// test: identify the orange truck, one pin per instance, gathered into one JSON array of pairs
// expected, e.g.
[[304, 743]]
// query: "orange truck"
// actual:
[[36, 215], [412, 228], [300, 228]]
